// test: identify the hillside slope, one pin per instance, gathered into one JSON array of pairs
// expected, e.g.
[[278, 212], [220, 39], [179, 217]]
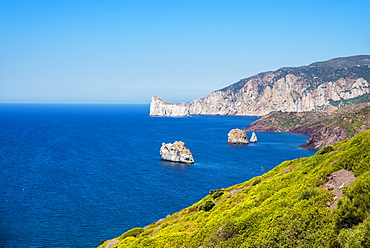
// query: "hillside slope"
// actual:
[[318, 201], [318, 86], [324, 128]]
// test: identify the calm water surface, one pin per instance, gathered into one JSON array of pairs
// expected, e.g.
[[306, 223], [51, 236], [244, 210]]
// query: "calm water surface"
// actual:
[[72, 175]]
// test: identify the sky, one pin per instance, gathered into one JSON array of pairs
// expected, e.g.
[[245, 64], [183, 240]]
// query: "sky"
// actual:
[[95, 51]]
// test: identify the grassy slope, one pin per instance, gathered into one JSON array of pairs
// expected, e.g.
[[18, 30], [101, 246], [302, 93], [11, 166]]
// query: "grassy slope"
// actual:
[[282, 208]]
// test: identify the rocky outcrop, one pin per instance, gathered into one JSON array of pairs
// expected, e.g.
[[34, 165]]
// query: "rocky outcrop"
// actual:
[[160, 107], [237, 136], [296, 89], [324, 128], [336, 181], [176, 152]]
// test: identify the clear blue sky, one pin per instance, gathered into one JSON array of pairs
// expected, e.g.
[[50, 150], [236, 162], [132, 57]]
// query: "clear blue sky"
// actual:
[[128, 51]]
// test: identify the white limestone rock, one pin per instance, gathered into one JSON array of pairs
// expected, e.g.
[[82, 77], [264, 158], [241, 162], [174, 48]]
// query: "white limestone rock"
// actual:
[[253, 138], [237, 136], [160, 107], [176, 152], [287, 89]]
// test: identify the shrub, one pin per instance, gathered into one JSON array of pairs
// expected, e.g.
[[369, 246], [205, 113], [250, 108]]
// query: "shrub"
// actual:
[[208, 205], [132, 233], [355, 237], [257, 181], [216, 193], [307, 194], [324, 150], [224, 233]]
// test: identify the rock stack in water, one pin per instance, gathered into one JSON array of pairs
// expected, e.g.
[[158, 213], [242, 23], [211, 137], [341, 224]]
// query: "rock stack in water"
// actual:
[[237, 136], [253, 138], [176, 152]]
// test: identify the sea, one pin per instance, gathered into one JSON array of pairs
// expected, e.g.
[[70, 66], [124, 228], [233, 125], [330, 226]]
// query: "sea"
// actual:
[[75, 174]]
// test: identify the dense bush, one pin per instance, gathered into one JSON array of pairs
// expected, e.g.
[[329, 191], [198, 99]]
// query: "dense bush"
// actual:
[[208, 205], [216, 193], [307, 194], [132, 233], [257, 181], [356, 237], [324, 150]]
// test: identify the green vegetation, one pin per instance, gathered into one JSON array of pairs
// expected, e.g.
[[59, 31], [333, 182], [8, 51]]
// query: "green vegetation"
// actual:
[[285, 207], [359, 99], [354, 121], [208, 205], [324, 150], [216, 193], [132, 233]]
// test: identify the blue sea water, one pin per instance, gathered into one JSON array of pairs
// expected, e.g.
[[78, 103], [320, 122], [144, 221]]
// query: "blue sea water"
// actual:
[[72, 175]]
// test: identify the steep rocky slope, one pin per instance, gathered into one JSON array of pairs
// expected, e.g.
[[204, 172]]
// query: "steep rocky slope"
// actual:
[[290, 89], [318, 201], [324, 128]]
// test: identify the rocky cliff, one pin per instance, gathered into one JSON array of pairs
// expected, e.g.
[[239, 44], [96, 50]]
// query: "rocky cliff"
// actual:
[[324, 128], [290, 89], [160, 107]]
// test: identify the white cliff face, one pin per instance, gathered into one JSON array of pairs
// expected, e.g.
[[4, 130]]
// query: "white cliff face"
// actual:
[[160, 107], [287, 89], [237, 136], [289, 94], [176, 152]]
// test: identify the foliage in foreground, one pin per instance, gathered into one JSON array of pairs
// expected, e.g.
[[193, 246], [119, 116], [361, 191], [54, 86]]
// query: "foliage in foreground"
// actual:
[[285, 208]]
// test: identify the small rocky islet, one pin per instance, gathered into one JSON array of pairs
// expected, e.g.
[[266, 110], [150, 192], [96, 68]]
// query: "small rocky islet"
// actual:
[[176, 152]]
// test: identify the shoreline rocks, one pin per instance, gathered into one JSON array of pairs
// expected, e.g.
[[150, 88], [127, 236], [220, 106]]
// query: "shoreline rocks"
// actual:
[[176, 152], [237, 136]]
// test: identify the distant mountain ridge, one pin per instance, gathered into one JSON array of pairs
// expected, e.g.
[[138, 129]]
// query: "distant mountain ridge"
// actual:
[[289, 89]]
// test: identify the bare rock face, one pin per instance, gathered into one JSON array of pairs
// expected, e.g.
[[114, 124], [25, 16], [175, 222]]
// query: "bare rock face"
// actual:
[[237, 136], [297, 89], [336, 181], [253, 138], [160, 107], [176, 152]]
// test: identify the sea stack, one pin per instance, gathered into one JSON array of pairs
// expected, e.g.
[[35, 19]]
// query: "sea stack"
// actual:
[[160, 107], [253, 138], [237, 136], [176, 152]]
